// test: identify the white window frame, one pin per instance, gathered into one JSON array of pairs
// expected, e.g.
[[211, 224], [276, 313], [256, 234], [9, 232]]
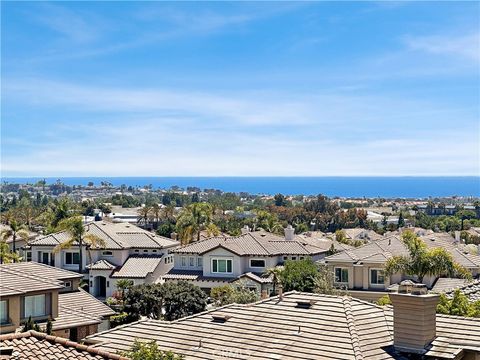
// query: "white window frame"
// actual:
[[73, 254], [341, 271], [183, 261], [226, 266], [35, 305], [258, 267], [199, 261], [107, 253], [67, 284], [370, 276], [191, 261]]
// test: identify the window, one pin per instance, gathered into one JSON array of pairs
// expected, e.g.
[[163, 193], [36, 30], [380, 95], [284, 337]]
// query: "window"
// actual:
[[72, 258], [191, 261], [46, 258], [183, 261], [28, 256], [199, 261], [137, 250], [285, 258], [154, 250], [35, 306], [258, 263], [377, 277], [4, 312], [341, 275], [67, 284], [145, 251], [302, 258], [294, 258], [107, 253], [221, 265]]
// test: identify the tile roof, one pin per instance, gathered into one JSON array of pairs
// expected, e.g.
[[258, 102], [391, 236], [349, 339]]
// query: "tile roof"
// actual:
[[463, 257], [177, 274], [332, 328], [23, 277], [260, 278], [35, 345], [138, 266], [447, 284], [101, 265], [258, 243], [471, 290], [116, 236]]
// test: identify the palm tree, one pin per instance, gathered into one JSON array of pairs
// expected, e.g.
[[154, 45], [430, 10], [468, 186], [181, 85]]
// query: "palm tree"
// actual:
[[143, 215], [15, 230], [6, 256], [193, 219], [275, 273], [422, 261], [124, 284], [78, 236]]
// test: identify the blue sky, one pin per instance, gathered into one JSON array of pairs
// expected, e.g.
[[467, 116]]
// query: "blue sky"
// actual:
[[240, 88]]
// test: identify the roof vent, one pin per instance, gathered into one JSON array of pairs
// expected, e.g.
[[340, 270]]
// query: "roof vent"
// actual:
[[305, 304], [8, 351], [220, 317]]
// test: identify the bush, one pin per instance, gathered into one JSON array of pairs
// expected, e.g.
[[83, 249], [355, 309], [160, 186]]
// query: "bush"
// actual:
[[384, 300], [229, 294], [149, 351], [299, 275]]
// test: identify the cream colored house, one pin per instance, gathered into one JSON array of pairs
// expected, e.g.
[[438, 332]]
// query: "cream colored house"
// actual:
[[42, 292], [221, 260], [129, 253]]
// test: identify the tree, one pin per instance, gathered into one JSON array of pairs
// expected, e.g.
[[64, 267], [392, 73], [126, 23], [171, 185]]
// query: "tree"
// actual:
[[459, 305], [30, 325], [15, 230], [299, 275], [182, 299], [49, 327], [401, 221], [77, 236], [274, 272], [193, 219], [422, 261], [6, 256], [341, 237], [280, 200], [143, 214], [229, 294], [123, 285], [149, 351], [324, 282]]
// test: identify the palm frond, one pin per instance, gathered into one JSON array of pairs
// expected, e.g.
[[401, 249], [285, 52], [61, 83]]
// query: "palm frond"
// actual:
[[64, 245], [93, 241]]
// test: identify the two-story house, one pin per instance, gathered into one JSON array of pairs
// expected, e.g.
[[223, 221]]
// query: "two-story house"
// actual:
[[129, 253], [221, 260], [42, 292], [362, 268]]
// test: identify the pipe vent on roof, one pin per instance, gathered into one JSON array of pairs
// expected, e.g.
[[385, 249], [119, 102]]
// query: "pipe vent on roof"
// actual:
[[220, 317], [305, 304]]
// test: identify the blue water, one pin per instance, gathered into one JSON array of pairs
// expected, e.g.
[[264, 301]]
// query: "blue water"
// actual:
[[402, 187]]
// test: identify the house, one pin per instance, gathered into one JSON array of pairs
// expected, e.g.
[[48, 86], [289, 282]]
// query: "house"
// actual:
[[40, 346], [20, 244], [129, 253], [44, 292], [310, 326], [362, 268], [221, 260], [361, 234]]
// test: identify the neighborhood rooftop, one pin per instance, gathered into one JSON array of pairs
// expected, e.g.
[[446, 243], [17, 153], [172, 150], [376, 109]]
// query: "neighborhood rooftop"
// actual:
[[329, 327], [116, 236], [258, 243], [40, 346]]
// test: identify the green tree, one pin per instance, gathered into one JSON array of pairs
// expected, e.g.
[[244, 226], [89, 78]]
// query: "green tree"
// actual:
[[422, 261], [299, 275], [49, 327], [6, 256], [193, 219], [15, 230], [280, 200], [384, 300], [77, 236], [274, 272], [124, 285], [341, 237], [30, 325], [182, 299], [459, 305], [229, 294], [324, 282], [149, 351], [401, 221]]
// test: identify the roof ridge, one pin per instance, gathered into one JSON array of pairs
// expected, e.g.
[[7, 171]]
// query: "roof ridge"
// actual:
[[121, 244], [64, 342], [357, 351], [258, 242], [32, 277]]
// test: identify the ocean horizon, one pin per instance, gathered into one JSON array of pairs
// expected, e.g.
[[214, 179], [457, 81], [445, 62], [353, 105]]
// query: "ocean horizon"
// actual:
[[342, 186]]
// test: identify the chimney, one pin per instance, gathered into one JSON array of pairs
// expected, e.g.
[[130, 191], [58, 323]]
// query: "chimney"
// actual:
[[280, 292], [173, 235], [264, 294], [245, 230], [289, 232], [457, 236], [414, 317]]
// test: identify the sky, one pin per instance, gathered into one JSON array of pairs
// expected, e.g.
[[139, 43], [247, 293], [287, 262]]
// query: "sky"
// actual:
[[240, 88]]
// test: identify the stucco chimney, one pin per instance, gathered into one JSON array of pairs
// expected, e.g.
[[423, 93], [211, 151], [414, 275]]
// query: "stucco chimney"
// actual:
[[280, 292], [173, 235], [245, 230], [289, 232], [414, 317], [264, 294]]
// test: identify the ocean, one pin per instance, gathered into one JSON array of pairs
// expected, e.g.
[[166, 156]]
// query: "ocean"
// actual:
[[391, 187]]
